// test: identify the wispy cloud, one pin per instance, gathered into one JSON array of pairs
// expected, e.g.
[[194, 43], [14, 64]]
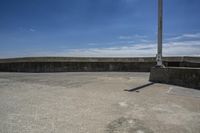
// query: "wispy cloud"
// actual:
[[128, 1], [26, 29], [178, 47], [184, 45], [93, 44], [32, 30], [112, 43], [188, 48], [184, 37], [132, 37]]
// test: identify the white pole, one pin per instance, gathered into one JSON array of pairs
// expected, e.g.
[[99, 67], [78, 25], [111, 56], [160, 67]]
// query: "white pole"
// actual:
[[160, 33]]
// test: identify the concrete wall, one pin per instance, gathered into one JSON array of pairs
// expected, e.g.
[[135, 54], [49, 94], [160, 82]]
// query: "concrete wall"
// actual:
[[73, 64], [76, 66], [182, 76]]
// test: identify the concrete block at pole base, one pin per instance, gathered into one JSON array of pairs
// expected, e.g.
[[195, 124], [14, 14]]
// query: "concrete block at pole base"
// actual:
[[182, 76]]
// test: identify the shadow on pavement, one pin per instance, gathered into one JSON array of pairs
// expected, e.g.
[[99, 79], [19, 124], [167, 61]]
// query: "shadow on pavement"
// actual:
[[139, 87]]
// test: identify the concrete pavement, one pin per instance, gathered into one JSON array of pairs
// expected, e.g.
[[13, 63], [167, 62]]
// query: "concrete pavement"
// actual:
[[94, 103]]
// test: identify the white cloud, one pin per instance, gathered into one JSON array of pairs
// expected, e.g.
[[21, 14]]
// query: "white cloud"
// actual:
[[170, 49], [185, 36], [145, 49], [92, 44], [176, 46], [132, 37], [128, 1], [187, 48], [32, 30]]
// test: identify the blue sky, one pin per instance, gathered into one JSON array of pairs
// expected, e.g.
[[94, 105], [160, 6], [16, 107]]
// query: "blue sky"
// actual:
[[97, 28]]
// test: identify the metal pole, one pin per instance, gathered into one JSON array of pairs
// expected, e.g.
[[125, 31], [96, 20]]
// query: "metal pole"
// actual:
[[160, 32]]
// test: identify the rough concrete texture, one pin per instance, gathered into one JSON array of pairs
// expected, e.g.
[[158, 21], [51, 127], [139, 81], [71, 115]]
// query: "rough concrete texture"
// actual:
[[39, 67], [101, 59], [94, 103], [186, 77], [77, 64]]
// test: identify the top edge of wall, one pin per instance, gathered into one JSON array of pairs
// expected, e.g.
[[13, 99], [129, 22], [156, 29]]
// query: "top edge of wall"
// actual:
[[99, 59]]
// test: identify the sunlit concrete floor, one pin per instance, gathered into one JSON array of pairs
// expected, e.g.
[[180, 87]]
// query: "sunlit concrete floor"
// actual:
[[95, 103]]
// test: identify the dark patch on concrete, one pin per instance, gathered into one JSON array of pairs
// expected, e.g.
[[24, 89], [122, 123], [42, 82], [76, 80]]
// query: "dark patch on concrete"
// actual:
[[127, 125], [182, 76]]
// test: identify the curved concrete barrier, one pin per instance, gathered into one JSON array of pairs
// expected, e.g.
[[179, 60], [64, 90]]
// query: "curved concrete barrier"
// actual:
[[88, 64]]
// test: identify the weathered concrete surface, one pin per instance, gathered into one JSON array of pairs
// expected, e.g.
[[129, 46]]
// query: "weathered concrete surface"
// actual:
[[188, 77], [76, 64], [99, 59], [94, 103]]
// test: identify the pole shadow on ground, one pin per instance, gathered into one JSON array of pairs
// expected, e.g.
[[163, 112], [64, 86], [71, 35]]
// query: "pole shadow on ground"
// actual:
[[136, 89]]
